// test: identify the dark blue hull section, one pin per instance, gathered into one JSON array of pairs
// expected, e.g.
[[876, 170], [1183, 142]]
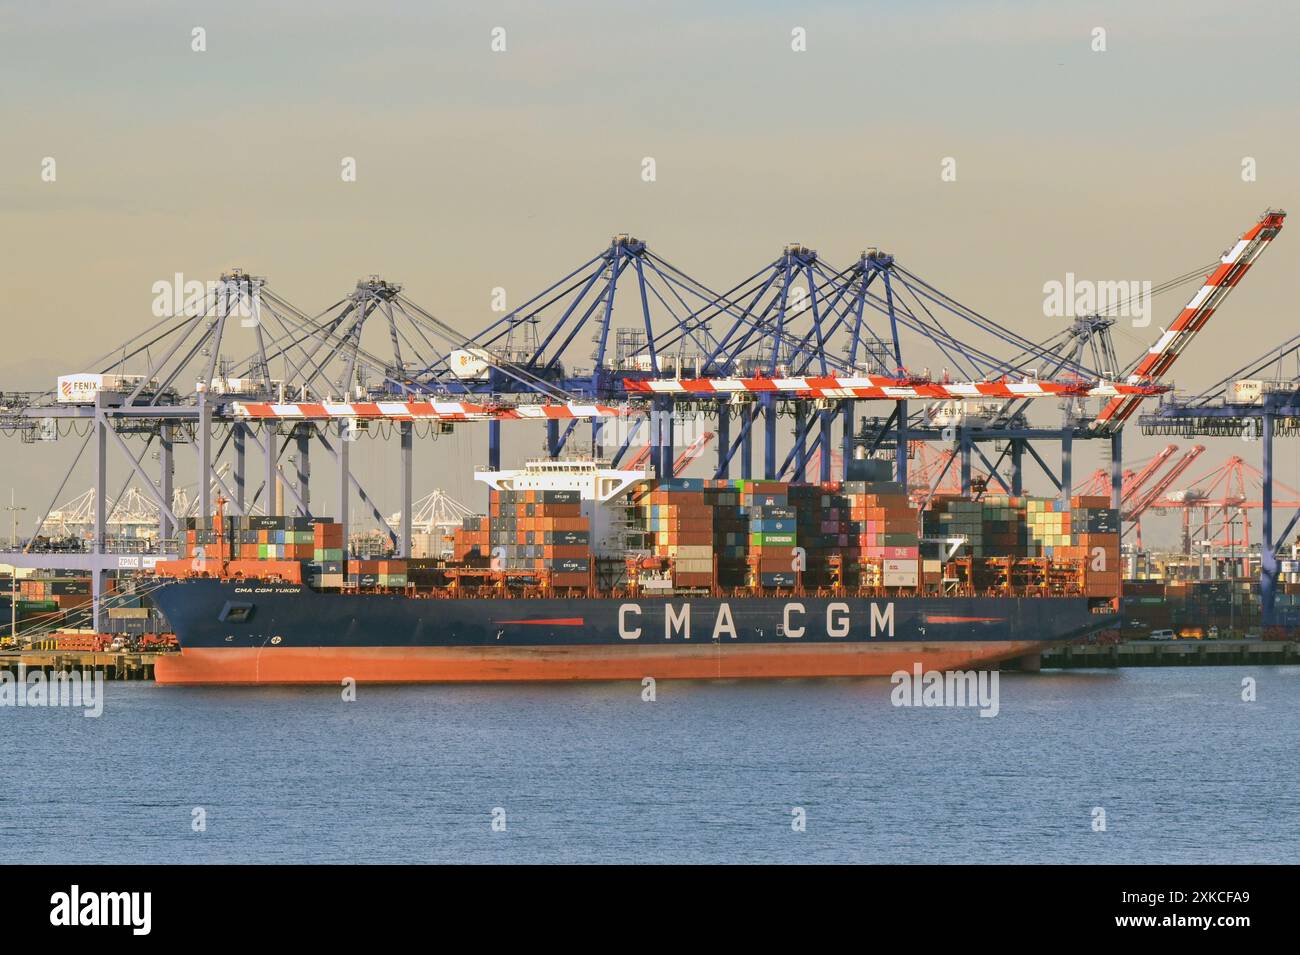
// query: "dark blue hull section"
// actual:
[[212, 613]]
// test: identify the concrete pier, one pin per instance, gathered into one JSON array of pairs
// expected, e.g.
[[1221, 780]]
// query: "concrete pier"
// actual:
[[114, 666], [1174, 653]]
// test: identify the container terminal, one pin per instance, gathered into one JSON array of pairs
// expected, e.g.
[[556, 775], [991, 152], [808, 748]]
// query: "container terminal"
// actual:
[[860, 541]]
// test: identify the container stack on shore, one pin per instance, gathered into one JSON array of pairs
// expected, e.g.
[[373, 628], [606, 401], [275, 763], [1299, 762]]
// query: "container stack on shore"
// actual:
[[50, 599], [58, 593], [1195, 606]]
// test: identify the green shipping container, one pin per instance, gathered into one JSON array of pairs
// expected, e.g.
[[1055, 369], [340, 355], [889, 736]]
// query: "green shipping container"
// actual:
[[32, 606], [771, 540]]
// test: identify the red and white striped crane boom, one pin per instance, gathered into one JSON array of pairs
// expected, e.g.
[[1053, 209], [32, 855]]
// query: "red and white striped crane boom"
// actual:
[[1233, 266], [421, 411], [890, 388]]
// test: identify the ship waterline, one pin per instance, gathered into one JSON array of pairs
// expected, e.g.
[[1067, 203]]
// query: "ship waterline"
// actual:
[[710, 661]]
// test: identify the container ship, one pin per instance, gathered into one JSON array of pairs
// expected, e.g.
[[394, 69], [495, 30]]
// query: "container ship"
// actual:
[[585, 572]]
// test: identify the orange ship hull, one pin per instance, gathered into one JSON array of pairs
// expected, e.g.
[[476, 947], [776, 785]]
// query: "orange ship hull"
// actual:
[[318, 665]]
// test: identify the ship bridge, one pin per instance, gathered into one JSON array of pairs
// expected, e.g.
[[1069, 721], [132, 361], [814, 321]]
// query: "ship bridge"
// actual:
[[592, 480]]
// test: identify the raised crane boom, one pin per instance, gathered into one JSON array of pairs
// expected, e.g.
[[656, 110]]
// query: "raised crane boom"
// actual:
[[1232, 267], [1145, 475], [692, 451], [684, 459], [1163, 485]]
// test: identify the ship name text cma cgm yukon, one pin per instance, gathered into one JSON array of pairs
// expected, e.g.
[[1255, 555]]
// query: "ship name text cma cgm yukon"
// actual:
[[796, 621]]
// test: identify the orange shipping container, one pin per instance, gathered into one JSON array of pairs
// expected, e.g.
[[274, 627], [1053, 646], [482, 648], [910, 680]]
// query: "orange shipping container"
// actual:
[[566, 551], [569, 580]]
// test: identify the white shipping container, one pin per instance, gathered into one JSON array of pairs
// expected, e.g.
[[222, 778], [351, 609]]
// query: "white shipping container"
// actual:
[[900, 566], [694, 566], [900, 579], [692, 550]]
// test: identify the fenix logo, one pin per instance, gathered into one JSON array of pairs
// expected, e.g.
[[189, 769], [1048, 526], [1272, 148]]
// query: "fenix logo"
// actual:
[[74, 907]]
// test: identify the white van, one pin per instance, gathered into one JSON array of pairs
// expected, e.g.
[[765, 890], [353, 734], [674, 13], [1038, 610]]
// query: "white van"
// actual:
[[1161, 635]]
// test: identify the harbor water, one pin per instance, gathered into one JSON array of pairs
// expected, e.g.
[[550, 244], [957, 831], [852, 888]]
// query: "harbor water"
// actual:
[[1085, 766]]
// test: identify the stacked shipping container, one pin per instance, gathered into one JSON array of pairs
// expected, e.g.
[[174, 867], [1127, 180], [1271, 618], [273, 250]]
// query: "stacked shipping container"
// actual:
[[543, 531], [866, 534], [884, 547], [822, 518], [367, 574], [63, 593], [957, 517], [257, 537], [678, 522], [1085, 535], [470, 540], [739, 533], [773, 532], [730, 532]]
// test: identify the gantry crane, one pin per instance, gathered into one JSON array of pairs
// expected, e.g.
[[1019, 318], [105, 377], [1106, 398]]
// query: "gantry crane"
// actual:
[[799, 338], [1133, 481], [1144, 501], [689, 454], [1232, 489]]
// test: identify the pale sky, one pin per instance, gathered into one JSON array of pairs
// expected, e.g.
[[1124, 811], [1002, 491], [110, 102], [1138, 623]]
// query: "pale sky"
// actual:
[[478, 169]]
